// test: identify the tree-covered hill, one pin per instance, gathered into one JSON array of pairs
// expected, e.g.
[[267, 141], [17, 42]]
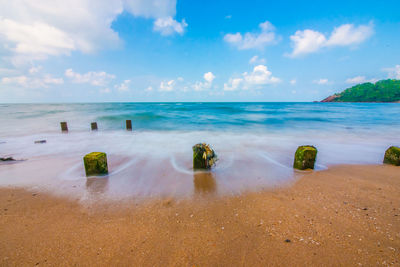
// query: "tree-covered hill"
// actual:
[[382, 91]]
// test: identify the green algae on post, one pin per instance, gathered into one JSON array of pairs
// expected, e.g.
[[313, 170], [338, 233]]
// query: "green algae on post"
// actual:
[[64, 126], [304, 157], [95, 163], [204, 156], [392, 156]]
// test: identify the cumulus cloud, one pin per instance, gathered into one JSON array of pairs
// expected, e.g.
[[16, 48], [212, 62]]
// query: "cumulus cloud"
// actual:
[[34, 69], [208, 79], [293, 81], [100, 78], [257, 40], [124, 86], [258, 77], [310, 41], [151, 8], [169, 26], [307, 41], [360, 79], [256, 60], [393, 73], [105, 90], [321, 81], [233, 84], [34, 30], [32, 82], [167, 86]]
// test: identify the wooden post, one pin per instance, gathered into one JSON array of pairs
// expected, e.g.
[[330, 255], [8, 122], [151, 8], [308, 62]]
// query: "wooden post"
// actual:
[[129, 125], [305, 157], [95, 163], [64, 126], [94, 126]]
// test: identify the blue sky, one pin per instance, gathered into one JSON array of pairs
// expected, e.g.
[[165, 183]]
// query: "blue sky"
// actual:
[[154, 50]]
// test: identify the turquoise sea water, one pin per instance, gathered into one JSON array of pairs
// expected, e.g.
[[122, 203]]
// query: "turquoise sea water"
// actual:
[[200, 116], [255, 142]]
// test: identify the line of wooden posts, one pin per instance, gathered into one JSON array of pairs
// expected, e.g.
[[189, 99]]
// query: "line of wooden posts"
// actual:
[[204, 156], [93, 126]]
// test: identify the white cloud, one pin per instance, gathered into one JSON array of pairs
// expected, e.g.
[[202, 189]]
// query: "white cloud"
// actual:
[[293, 81], [150, 88], [34, 70], [228, 16], [259, 76], [8, 72], [169, 26], [233, 84], [32, 82], [100, 78], [250, 40], [393, 73], [34, 30], [256, 60], [348, 34], [151, 8], [124, 86], [105, 90], [321, 81], [209, 78], [360, 79], [309, 41], [167, 86]]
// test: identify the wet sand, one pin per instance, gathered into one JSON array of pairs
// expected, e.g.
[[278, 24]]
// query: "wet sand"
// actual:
[[346, 215]]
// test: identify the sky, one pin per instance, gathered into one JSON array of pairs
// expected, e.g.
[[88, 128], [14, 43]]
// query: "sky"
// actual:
[[181, 50]]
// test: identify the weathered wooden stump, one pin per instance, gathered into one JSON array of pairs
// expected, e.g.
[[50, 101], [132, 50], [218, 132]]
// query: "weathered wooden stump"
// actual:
[[304, 157], [64, 126], [392, 156], [129, 125], [93, 125], [95, 163], [204, 156]]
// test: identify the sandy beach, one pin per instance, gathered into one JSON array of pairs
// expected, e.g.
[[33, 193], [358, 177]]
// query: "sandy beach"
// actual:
[[346, 215]]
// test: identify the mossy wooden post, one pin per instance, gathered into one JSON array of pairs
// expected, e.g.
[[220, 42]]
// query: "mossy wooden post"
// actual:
[[129, 125], [93, 125], [95, 163], [203, 156], [392, 156], [64, 126], [304, 157]]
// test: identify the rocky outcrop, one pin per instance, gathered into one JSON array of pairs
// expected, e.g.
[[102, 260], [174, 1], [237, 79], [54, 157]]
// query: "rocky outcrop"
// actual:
[[330, 98]]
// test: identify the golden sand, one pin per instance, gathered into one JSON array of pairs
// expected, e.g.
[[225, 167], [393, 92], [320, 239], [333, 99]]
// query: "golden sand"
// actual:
[[347, 215]]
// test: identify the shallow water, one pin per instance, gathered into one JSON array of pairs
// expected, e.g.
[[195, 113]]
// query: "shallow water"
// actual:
[[255, 143]]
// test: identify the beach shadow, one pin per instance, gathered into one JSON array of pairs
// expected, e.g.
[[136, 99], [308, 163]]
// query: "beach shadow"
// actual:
[[96, 185], [204, 183]]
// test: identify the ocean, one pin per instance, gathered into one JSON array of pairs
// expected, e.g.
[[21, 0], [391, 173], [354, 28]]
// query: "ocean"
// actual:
[[255, 143]]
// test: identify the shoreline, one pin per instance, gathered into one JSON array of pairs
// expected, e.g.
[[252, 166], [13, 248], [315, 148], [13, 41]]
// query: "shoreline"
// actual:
[[345, 215]]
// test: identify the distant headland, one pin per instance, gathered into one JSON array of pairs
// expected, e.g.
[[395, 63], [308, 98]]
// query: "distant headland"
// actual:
[[382, 91]]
